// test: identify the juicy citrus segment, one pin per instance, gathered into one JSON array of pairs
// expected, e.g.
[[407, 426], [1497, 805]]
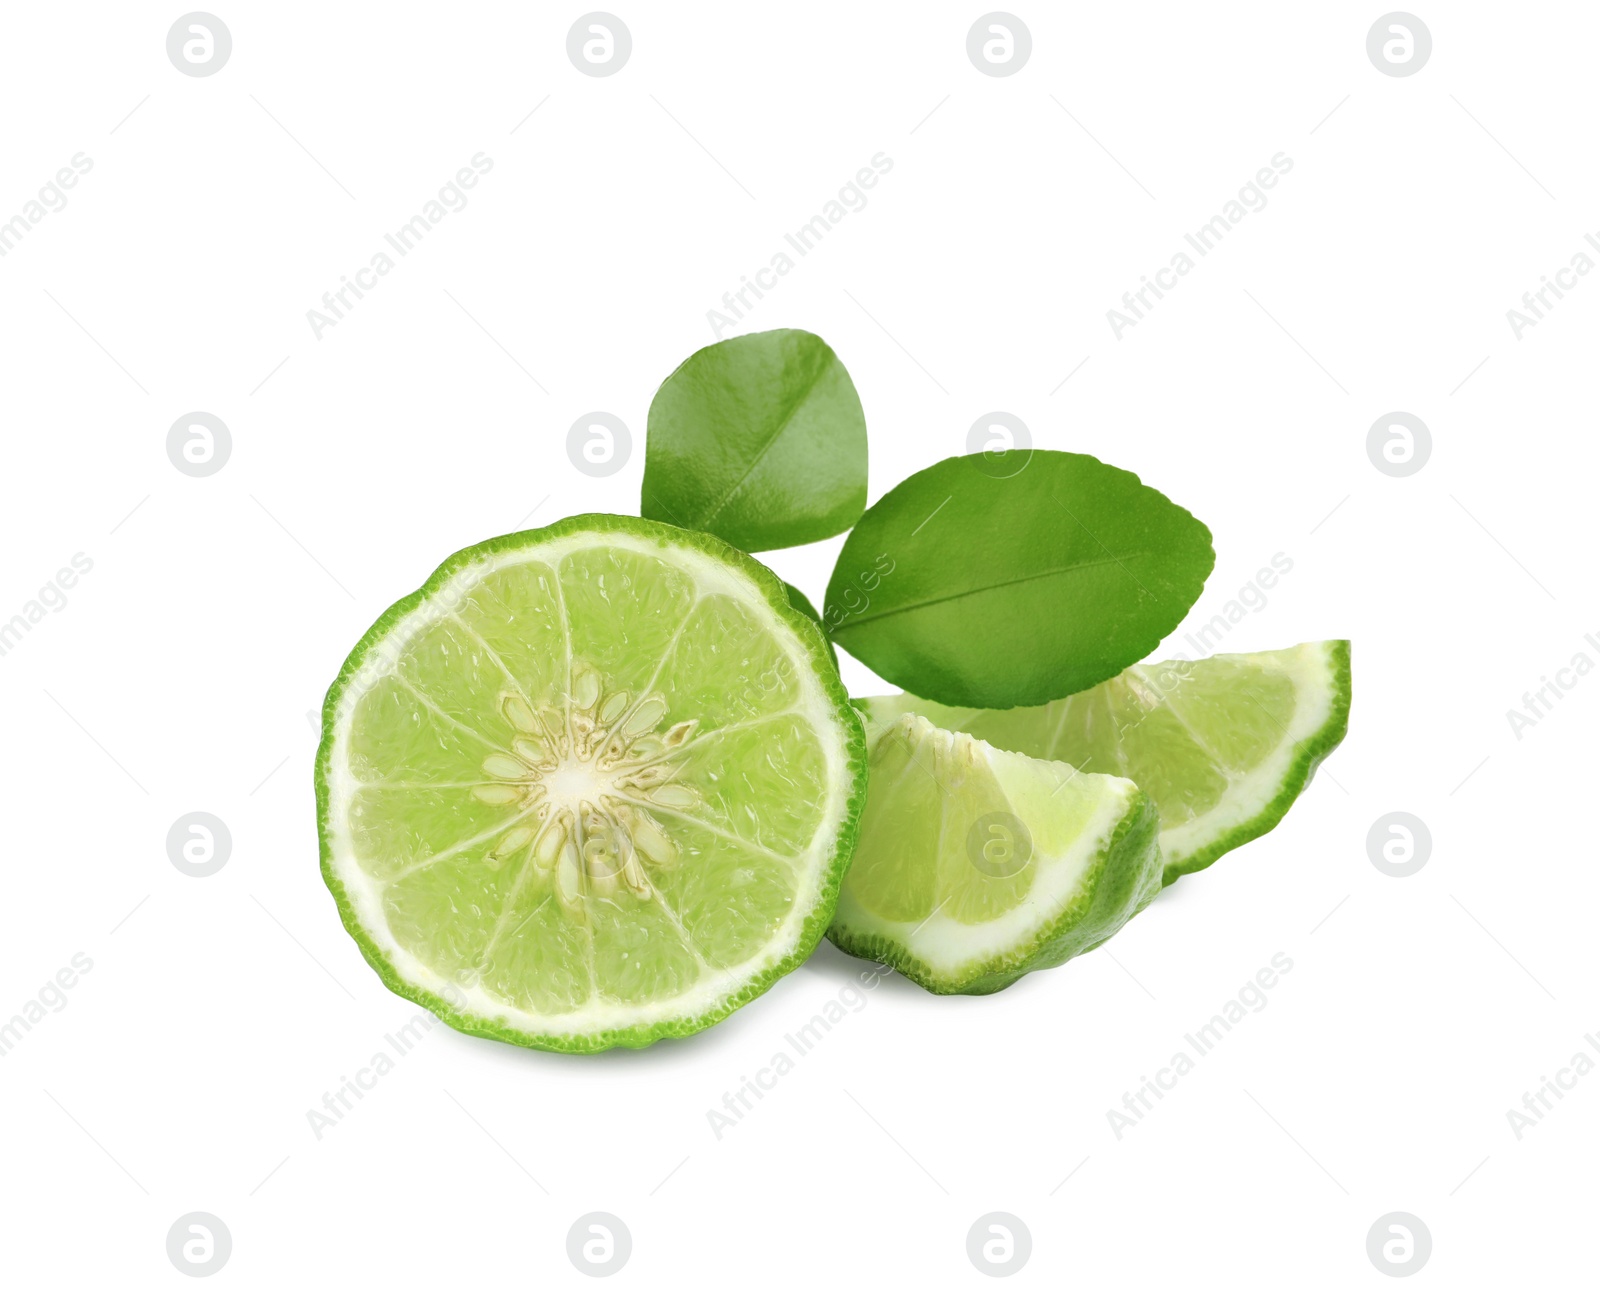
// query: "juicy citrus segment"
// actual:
[[398, 728], [758, 780], [594, 784], [730, 895], [446, 911], [514, 612], [450, 673], [724, 667], [625, 611], [897, 856], [429, 820], [539, 958], [975, 865], [1223, 745]]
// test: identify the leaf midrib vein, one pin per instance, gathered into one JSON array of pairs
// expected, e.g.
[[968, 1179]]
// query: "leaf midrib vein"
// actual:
[[788, 416], [993, 586]]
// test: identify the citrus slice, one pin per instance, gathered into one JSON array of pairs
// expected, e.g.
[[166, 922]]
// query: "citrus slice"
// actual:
[[1223, 745], [593, 784], [977, 866]]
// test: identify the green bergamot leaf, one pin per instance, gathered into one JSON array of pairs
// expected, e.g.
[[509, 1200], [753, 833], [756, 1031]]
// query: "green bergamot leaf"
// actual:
[[760, 440], [1014, 578]]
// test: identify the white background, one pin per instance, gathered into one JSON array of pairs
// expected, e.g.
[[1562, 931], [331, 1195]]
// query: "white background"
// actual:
[[179, 675]]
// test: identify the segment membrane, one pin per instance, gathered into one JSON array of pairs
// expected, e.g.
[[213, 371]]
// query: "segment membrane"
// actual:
[[725, 667], [765, 782], [729, 898], [455, 673], [1164, 758], [1244, 711], [445, 912], [394, 828], [539, 961], [986, 862], [516, 611], [901, 829], [639, 953], [625, 609], [396, 735]]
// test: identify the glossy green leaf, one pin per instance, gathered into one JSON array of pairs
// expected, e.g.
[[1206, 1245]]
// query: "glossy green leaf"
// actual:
[[1014, 578], [760, 440]]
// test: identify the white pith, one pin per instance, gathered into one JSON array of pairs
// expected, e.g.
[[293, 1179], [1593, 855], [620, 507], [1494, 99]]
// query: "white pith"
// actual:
[[949, 947], [815, 706]]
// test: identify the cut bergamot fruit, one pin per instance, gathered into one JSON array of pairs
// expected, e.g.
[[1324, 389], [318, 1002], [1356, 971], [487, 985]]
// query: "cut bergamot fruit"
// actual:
[[976, 866], [1223, 745], [593, 784]]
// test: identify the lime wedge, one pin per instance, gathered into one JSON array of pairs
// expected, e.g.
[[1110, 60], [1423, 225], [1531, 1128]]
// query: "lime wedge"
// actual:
[[976, 866], [593, 784], [1223, 745]]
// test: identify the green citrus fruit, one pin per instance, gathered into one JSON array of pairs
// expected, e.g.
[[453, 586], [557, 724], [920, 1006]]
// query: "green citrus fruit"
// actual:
[[593, 784], [1223, 745], [976, 866]]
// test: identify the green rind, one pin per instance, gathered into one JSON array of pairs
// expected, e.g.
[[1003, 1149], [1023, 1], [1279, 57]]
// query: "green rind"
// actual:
[[1123, 881], [816, 921], [797, 600], [1309, 753]]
